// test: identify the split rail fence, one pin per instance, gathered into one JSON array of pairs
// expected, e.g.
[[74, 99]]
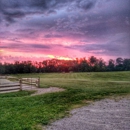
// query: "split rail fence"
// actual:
[[12, 84]]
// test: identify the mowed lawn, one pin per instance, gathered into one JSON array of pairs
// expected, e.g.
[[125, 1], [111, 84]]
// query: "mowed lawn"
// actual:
[[19, 111]]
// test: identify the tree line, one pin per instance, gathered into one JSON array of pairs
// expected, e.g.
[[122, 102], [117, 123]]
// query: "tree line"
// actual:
[[92, 64]]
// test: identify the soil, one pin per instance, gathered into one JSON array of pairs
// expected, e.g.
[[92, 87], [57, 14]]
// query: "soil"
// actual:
[[40, 91]]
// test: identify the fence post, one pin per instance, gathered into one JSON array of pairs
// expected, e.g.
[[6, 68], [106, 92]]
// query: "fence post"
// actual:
[[31, 82], [20, 82], [38, 84]]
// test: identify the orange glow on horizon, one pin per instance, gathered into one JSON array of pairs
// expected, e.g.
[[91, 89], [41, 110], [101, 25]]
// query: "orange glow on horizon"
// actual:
[[59, 57], [51, 56], [64, 58], [1, 50]]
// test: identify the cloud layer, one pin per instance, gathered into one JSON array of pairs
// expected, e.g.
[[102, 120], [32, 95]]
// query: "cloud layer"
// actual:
[[73, 28]]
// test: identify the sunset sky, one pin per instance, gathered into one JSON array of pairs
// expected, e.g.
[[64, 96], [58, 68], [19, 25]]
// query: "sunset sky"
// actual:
[[64, 29]]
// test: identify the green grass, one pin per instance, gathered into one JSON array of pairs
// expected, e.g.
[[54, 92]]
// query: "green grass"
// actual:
[[16, 94], [19, 111]]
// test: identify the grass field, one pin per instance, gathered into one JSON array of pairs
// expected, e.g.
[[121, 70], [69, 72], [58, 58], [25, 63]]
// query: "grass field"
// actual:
[[19, 111]]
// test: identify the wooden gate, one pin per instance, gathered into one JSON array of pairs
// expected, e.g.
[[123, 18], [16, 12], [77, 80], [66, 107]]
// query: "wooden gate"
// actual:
[[30, 81]]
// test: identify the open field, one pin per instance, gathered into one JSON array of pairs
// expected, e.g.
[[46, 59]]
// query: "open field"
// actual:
[[19, 111]]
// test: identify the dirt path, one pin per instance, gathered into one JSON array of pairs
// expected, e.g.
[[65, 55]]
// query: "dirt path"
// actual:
[[40, 91], [106, 114]]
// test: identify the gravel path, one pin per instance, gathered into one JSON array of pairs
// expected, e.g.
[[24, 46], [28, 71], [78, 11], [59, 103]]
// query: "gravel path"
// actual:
[[106, 114], [5, 81]]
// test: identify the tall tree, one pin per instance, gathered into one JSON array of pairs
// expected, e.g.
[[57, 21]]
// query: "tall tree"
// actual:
[[119, 64], [126, 64], [111, 65]]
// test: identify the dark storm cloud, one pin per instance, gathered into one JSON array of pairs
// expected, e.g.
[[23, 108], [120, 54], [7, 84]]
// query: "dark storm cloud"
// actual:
[[11, 46], [12, 9], [86, 4], [25, 30], [28, 32], [51, 12], [27, 47], [37, 46], [52, 36], [10, 16]]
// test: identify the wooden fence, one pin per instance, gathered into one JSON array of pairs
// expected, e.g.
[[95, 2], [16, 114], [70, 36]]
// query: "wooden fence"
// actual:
[[17, 86], [9, 84], [10, 87]]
